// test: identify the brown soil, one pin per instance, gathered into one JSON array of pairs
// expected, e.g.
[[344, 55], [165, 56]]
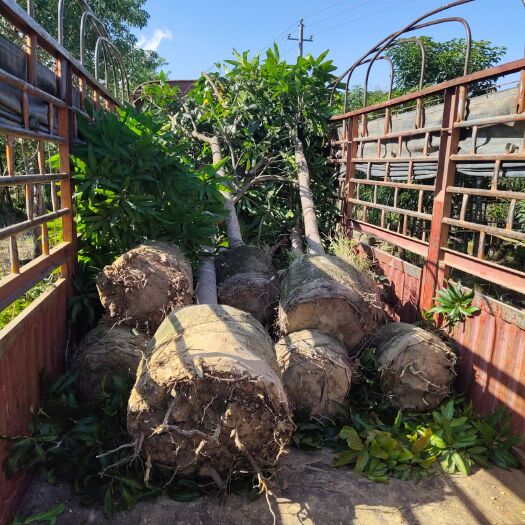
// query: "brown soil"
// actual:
[[145, 284], [106, 351], [417, 366], [316, 370], [209, 398], [326, 293], [247, 280]]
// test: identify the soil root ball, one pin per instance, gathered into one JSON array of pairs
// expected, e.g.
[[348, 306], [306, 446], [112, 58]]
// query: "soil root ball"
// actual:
[[247, 280], [316, 371], [145, 284], [326, 293], [107, 351], [209, 399], [417, 367]]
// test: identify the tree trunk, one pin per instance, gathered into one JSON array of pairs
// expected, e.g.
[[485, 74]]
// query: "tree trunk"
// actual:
[[206, 290], [233, 227], [311, 228], [296, 242]]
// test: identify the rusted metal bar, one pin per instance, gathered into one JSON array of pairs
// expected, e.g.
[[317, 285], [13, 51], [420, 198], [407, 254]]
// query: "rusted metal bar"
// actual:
[[488, 121], [348, 188], [497, 194], [384, 207], [22, 180], [507, 277], [21, 227], [397, 160], [400, 185], [12, 12], [433, 274], [13, 286], [406, 243], [506, 157], [490, 230], [400, 134], [15, 131], [510, 67]]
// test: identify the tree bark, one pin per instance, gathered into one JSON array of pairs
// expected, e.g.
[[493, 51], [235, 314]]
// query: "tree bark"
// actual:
[[206, 290], [233, 228], [296, 242], [311, 228]]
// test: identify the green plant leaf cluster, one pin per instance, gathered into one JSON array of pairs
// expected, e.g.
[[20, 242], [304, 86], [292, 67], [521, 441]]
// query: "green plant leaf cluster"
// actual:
[[454, 304], [134, 182], [452, 436], [79, 442]]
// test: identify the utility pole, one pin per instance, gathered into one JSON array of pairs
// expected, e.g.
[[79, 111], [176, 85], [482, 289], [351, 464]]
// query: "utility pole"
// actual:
[[301, 38]]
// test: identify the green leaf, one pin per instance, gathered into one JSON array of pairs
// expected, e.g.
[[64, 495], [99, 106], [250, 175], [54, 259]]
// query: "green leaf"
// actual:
[[352, 438], [460, 463]]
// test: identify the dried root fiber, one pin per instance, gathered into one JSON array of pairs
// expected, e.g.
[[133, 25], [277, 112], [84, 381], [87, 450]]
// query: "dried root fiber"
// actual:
[[326, 293], [247, 280], [209, 399], [416, 366], [145, 284]]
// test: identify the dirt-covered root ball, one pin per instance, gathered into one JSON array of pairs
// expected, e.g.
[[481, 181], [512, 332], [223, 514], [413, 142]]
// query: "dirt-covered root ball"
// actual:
[[417, 367], [316, 371], [326, 293], [209, 399], [145, 284], [106, 352], [247, 280]]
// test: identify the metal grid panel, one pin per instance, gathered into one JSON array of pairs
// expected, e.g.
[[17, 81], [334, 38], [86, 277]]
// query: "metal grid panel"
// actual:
[[385, 162]]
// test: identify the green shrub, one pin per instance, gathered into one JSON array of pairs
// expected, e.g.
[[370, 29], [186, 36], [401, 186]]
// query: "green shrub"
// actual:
[[133, 183]]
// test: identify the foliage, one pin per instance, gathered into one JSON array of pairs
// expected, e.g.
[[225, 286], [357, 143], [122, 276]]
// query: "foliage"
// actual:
[[86, 445], [47, 516], [121, 20], [444, 61], [253, 105], [345, 248], [134, 182], [454, 304], [380, 442], [453, 436]]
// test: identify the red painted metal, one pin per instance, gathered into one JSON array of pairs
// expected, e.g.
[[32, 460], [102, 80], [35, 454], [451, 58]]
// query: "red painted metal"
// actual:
[[28, 347]]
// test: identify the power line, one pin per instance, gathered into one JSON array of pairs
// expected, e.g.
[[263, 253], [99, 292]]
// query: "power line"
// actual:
[[341, 12], [301, 40], [326, 8], [361, 17]]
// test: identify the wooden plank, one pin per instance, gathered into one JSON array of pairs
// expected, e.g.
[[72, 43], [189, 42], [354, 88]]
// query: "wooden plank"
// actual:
[[497, 194], [16, 131]]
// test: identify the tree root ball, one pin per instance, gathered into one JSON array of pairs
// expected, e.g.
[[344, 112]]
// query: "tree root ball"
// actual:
[[107, 351], [416, 366], [326, 293], [145, 284], [316, 371], [209, 399], [247, 280]]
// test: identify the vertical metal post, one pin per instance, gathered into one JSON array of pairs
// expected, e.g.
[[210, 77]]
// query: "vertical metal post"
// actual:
[[349, 186], [434, 272]]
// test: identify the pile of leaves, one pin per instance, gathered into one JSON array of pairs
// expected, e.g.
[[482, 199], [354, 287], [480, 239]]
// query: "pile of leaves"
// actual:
[[382, 443], [86, 445]]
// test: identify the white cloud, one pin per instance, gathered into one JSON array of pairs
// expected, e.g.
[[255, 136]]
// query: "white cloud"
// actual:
[[153, 43]]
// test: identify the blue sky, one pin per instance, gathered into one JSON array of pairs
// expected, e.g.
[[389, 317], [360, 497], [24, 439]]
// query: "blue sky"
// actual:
[[194, 35]]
